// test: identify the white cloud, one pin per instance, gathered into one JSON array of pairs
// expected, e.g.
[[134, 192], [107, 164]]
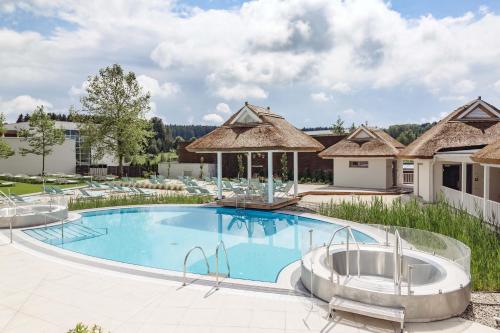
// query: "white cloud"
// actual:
[[21, 104], [213, 118], [341, 87], [496, 85], [459, 98], [240, 92], [320, 97], [151, 85], [332, 45], [464, 86], [78, 91], [222, 108], [349, 112]]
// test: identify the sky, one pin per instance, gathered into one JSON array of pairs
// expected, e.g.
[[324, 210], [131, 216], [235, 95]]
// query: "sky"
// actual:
[[312, 61]]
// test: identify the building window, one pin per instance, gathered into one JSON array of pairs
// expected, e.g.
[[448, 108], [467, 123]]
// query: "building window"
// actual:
[[358, 164]]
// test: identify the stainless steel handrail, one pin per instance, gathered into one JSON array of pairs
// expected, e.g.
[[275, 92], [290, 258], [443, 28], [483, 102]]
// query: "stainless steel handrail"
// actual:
[[185, 261], [13, 216], [328, 261], [398, 258], [217, 282]]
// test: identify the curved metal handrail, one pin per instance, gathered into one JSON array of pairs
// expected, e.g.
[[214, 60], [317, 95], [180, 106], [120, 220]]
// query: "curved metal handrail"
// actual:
[[185, 261], [398, 258], [217, 282], [328, 262]]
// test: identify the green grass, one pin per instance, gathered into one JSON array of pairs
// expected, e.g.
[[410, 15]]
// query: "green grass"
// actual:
[[439, 218], [26, 188], [89, 203]]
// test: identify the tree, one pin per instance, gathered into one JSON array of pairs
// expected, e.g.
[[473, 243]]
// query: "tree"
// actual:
[[241, 166], [338, 127], [352, 128], [177, 140], [20, 118], [113, 113], [41, 136], [284, 167], [202, 164], [5, 149]]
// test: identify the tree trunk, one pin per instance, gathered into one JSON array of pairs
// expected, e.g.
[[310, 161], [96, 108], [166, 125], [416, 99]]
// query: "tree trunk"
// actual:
[[43, 165], [120, 166]]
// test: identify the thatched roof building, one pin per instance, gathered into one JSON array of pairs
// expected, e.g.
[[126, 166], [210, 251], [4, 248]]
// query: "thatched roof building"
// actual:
[[364, 142], [489, 154], [472, 125], [254, 128]]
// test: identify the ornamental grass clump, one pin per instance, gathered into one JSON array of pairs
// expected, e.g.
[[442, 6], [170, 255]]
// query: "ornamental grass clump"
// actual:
[[439, 218], [100, 202]]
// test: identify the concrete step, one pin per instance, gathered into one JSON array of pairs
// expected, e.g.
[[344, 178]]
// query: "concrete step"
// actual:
[[369, 310]]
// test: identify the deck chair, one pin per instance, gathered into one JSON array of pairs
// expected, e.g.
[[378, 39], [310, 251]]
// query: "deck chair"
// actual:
[[283, 192]]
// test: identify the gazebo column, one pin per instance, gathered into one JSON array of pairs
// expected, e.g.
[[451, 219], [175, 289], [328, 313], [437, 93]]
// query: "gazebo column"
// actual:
[[486, 191], [463, 180], [219, 175], [249, 166], [270, 187], [295, 173]]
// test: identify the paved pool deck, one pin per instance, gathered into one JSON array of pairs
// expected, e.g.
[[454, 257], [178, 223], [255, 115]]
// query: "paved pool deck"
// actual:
[[39, 293]]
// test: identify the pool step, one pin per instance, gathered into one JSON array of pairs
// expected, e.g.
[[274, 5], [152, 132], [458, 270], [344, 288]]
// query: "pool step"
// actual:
[[369, 310], [72, 233]]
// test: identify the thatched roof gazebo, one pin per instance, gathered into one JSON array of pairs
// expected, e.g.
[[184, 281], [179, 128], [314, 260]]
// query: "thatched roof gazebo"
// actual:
[[256, 129]]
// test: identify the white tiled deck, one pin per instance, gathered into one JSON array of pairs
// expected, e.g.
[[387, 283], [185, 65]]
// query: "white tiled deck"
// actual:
[[42, 294]]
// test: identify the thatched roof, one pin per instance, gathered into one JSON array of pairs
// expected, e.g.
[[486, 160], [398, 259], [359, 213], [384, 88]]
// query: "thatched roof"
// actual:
[[476, 123], [254, 128], [489, 154], [364, 142]]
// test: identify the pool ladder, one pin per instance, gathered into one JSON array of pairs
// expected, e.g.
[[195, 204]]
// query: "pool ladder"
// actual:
[[217, 281], [347, 263]]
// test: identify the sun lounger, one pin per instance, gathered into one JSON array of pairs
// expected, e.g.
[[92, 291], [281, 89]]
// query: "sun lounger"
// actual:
[[7, 184], [86, 194]]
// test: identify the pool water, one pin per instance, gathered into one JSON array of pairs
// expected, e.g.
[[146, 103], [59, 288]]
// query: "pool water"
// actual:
[[259, 244]]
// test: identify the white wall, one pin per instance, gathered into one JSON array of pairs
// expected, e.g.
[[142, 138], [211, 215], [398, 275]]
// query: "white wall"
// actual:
[[375, 176], [426, 187], [186, 169], [62, 159]]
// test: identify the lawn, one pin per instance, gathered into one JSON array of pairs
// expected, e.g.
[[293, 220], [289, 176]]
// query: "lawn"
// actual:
[[26, 188], [439, 218]]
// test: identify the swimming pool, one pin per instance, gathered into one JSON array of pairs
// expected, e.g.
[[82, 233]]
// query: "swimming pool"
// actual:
[[259, 243]]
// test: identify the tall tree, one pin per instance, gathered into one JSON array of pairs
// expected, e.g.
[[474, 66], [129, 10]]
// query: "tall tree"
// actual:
[[113, 115], [41, 136], [5, 149], [338, 127]]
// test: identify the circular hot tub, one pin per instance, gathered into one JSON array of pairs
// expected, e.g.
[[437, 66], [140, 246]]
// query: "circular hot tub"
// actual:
[[429, 287], [32, 215]]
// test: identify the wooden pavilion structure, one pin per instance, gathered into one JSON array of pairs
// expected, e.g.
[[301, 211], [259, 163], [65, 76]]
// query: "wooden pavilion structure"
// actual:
[[254, 129]]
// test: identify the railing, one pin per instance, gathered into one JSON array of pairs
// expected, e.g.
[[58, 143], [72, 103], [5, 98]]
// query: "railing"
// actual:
[[13, 204], [349, 233], [221, 243], [474, 205], [407, 177], [398, 259], [185, 262]]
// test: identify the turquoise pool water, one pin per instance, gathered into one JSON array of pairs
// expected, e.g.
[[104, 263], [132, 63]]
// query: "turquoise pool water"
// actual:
[[259, 244]]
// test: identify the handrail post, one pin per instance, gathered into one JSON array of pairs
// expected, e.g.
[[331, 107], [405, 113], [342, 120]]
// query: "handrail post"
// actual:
[[410, 269], [310, 239], [217, 282], [185, 262], [347, 255]]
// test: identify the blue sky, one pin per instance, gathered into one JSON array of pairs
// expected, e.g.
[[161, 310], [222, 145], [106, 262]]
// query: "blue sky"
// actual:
[[381, 62]]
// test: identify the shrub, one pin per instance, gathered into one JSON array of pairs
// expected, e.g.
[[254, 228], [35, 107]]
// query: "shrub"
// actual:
[[81, 328], [99, 202]]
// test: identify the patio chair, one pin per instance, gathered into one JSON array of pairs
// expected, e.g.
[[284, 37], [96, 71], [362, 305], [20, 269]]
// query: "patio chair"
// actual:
[[16, 198], [283, 192], [86, 194], [7, 184], [192, 190], [143, 192]]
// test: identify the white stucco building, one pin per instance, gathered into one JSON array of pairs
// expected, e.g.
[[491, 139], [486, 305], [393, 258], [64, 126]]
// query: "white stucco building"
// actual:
[[365, 159], [452, 159]]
